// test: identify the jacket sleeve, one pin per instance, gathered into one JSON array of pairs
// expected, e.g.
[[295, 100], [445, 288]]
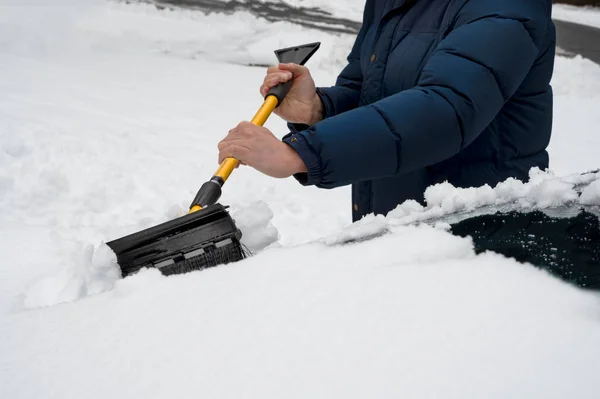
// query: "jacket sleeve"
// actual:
[[474, 70]]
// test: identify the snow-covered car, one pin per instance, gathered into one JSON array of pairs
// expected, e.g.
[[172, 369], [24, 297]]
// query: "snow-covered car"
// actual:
[[552, 223]]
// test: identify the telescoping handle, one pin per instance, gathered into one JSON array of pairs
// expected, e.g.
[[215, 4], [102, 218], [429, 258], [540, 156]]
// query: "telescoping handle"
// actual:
[[210, 192]]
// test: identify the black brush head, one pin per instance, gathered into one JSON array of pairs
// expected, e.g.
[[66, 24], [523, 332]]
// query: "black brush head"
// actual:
[[192, 242], [228, 253]]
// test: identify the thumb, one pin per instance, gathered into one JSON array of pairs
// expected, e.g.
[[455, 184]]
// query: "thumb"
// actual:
[[295, 69]]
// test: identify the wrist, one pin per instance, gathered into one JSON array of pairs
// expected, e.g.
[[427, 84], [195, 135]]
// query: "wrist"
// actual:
[[299, 166], [294, 161], [316, 110]]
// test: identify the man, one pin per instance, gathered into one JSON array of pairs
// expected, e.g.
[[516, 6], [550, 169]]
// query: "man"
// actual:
[[433, 91]]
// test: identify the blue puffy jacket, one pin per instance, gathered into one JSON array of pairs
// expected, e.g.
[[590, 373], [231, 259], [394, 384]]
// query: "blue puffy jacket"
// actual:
[[433, 91]]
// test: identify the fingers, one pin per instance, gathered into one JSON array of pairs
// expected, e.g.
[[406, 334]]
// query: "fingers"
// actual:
[[295, 69], [273, 79], [281, 73], [237, 143], [242, 141], [234, 149], [244, 129]]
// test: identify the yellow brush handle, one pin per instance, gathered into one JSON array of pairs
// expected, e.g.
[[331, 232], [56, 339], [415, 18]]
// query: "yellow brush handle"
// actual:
[[229, 164]]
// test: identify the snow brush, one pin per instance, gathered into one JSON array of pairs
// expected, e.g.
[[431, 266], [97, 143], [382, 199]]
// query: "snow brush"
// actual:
[[207, 236]]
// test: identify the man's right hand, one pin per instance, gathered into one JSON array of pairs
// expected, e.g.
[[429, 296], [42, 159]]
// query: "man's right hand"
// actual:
[[301, 105]]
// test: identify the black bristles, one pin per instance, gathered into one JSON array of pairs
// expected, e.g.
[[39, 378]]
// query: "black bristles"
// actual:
[[195, 241], [231, 252]]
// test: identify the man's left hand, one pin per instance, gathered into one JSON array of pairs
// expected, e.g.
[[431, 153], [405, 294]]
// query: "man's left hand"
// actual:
[[257, 147]]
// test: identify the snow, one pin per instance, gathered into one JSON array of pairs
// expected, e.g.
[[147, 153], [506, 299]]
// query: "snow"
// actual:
[[369, 326], [577, 14], [575, 139], [544, 190], [109, 119], [92, 270], [255, 220], [591, 194], [349, 9]]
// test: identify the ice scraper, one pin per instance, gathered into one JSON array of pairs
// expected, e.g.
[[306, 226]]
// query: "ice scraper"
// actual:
[[207, 236]]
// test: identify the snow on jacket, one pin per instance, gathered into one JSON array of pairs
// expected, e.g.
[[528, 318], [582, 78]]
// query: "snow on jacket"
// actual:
[[433, 91]]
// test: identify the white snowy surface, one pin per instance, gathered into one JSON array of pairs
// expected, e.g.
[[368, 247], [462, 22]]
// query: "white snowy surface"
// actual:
[[591, 194], [544, 190], [109, 119], [575, 133], [580, 15], [350, 9]]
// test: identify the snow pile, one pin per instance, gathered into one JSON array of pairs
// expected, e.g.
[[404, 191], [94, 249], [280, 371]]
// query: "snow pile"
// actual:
[[580, 15], [544, 190], [90, 271], [591, 194], [410, 314], [369, 227], [551, 193], [254, 221]]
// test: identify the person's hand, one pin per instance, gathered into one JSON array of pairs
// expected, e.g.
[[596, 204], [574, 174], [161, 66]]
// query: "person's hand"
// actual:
[[301, 104], [257, 147]]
